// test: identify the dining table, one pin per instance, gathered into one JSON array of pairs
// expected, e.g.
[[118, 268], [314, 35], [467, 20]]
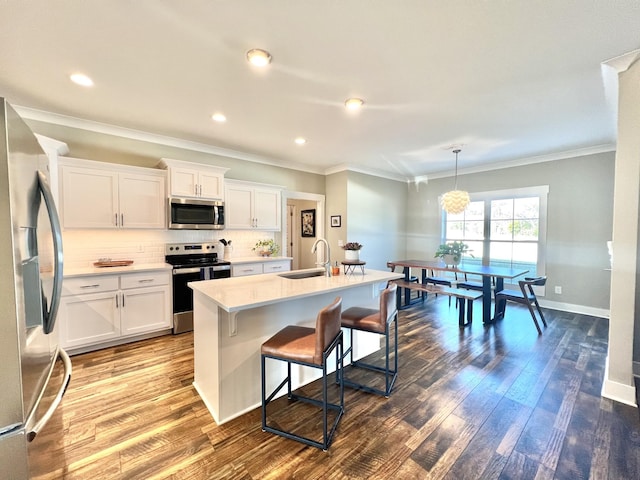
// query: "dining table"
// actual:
[[492, 277]]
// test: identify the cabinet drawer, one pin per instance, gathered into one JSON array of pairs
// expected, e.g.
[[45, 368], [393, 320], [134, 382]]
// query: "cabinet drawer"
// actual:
[[273, 267], [148, 279], [246, 269], [93, 284]]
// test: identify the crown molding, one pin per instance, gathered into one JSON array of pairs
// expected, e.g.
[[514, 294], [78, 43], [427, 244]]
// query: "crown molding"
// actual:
[[622, 62], [107, 129], [131, 134], [519, 162]]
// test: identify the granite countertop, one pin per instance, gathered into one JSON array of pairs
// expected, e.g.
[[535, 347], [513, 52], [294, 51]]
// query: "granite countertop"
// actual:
[[134, 268], [242, 293]]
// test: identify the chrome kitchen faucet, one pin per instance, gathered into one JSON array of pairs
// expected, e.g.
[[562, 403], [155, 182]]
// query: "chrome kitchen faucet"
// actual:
[[327, 263]]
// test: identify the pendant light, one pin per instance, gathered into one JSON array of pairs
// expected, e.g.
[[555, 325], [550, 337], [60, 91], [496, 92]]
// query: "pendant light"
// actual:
[[455, 201]]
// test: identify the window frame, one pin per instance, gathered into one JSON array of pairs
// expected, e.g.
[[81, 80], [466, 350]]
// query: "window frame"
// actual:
[[541, 192]]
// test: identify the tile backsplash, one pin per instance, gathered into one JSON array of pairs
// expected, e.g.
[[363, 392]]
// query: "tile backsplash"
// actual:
[[83, 247]]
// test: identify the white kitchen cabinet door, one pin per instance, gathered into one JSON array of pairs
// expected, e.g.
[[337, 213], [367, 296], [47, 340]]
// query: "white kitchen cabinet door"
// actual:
[[253, 207], [211, 185], [267, 208], [89, 198], [184, 182], [89, 319], [142, 201], [146, 310], [103, 195], [197, 182], [238, 207]]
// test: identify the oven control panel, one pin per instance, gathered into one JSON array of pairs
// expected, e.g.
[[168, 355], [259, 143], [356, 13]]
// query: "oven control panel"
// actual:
[[190, 248]]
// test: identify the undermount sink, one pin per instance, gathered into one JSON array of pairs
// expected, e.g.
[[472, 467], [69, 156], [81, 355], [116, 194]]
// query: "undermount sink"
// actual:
[[296, 275]]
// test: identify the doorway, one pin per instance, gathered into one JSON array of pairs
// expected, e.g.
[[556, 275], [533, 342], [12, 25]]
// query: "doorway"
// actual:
[[295, 245]]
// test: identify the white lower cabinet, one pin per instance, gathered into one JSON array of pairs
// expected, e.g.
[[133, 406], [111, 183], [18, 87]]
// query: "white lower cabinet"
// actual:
[[98, 309], [258, 268], [88, 319]]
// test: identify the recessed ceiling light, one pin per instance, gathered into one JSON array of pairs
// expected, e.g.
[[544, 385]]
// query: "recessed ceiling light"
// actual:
[[353, 103], [258, 57], [81, 79], [218, 117], [300, 141]]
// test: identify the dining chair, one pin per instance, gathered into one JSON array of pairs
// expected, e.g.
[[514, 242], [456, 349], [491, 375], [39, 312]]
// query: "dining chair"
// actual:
[[525, 296]]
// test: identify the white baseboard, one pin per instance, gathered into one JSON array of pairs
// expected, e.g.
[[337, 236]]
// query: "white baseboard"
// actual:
[[619, 392], [569, 307]]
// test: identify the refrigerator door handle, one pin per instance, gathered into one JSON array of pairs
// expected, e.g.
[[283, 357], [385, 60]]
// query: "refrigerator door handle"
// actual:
[[50, 316], [39, 425]]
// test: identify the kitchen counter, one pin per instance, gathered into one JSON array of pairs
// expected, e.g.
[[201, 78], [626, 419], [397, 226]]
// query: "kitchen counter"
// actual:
[[255, 259], [134, 268], [235, 294], [233, 317]]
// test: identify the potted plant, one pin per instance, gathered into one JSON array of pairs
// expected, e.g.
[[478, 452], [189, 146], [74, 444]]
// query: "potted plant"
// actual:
[[451, 253], [266, 248], [352, 251]]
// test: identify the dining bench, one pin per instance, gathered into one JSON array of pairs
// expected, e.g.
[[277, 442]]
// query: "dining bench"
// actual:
[[463, 297]]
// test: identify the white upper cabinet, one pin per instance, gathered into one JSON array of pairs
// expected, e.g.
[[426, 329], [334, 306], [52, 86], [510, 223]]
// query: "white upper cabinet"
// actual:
[[252, 206], [188, 179], [105, 195]]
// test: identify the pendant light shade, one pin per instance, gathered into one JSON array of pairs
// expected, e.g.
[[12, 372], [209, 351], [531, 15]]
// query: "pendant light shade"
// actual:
[[455, 201]]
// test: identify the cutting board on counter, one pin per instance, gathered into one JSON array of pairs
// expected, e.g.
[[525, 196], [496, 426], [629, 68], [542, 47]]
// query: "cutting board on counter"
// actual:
[[113, 263]]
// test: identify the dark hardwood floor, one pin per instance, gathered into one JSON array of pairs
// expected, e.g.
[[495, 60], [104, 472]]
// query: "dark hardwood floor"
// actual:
[[479, 402]]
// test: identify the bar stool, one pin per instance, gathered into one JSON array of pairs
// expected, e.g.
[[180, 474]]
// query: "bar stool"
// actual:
[[375, 321], [309, 347]]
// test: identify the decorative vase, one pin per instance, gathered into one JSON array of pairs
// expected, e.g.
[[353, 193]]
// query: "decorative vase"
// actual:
[[452, 260], [352, 255]]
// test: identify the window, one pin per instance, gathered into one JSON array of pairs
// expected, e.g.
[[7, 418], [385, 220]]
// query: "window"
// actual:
[[504, 228]]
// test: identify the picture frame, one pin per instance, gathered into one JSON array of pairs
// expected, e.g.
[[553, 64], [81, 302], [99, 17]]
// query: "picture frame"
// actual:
[[336, 220], [308, 223]]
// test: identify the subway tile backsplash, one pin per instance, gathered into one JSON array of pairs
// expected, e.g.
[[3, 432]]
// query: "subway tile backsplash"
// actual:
[[83, 247]]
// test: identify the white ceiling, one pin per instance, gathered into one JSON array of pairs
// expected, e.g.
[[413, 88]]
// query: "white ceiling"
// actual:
[[506, 79]]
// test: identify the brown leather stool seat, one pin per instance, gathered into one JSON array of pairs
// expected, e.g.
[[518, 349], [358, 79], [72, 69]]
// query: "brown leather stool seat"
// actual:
[[310, 347], [375, 321]]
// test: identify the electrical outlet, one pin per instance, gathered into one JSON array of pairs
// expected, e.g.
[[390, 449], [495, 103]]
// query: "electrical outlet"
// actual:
[[340, 243], [140, 248], [558, 290]]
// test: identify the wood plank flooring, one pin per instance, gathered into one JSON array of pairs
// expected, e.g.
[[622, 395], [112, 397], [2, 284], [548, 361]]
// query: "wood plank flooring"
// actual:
[[496, 402]]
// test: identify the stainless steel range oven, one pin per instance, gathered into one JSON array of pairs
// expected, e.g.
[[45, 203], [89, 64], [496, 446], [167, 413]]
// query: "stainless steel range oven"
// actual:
[[192, 262]]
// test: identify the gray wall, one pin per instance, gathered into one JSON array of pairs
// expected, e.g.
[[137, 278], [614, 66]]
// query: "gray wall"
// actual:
[[376, 218], [580, 215], [376, 213]]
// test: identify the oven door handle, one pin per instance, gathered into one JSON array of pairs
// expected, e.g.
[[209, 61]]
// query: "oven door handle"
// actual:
[[220, 268], [180, 271]]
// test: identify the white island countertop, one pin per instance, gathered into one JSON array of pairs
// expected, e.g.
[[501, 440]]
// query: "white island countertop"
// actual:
[[242, 293], [233, 317]]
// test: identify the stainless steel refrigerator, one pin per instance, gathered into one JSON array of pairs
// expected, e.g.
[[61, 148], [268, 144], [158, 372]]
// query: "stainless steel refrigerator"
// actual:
[[30, 284]]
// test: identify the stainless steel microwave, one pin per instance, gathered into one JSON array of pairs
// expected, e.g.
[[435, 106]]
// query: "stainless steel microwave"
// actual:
[[195, 214]]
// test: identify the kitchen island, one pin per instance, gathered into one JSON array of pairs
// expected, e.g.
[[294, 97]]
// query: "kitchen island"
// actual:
[[234, 316]]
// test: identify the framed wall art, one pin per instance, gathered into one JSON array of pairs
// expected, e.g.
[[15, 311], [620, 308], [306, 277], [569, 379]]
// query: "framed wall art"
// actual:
[[336, 220], [308, 223]]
